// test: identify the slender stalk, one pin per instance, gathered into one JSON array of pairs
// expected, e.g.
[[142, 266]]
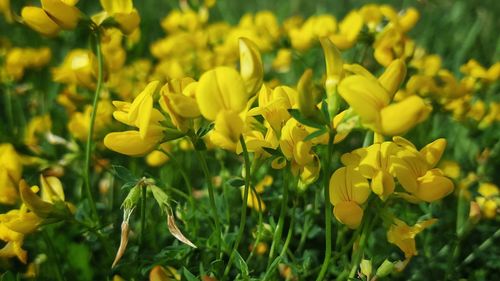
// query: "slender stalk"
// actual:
[[88, 146], [243, 218], [211, 196], [328, 208], [283, 250], [485, 245], [53, 256], [8, 108], [143, 216], [259, 230], [367, 228], [279, 228]]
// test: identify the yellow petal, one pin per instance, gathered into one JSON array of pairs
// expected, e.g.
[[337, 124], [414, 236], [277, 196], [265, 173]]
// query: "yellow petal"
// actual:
[[227, 130], [402, 116], [433, 151], [34, 203], [38, 20], [365, 96], [334, 62], [128, 22], [251, 68], [393, 76], [131, 143], [220, 89], [117, 6], [349, 213], [347, 184], [433, 186], [66, 16], [52, 189]]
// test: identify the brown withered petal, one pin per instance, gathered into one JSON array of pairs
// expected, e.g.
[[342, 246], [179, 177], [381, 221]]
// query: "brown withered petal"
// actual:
[[123, 243], [172, 227]]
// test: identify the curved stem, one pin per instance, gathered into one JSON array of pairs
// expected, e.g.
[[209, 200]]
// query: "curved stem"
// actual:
[[90, 134], [328, 208], [243, 218], [211, 196]]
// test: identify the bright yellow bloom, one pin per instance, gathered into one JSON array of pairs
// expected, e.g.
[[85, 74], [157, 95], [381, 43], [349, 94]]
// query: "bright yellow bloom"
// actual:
[[79, 122], [349, 29], [348, 191], [416, 173], [38, 126], [79, 67], [178, 99], [122, 11], [140, 114], [5, 10], [370, 98], [52, 17], [221, 89], [19, 59], [403, 236], [374, 162], [254, 200], [251, 68], [488, 200], [10, 173]]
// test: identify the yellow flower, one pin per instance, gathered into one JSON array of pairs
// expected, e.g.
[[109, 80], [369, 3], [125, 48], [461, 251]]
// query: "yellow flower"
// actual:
[[14, 225], [52, 17], [403, 236], [488, 200], [79, 122], [10, 173], [122, 11], [251, 69], [349, 29], [254, 200], [79, 67], [374, 162], [274, 105], [283, 60], [177, 98], [38, 125], [18, 59], [416, 173], [348, 191], [5, 10], [370, 98], [140, 114]]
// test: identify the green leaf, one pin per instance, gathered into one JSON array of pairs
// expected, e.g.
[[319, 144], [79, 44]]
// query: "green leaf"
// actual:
[[315, 134], [236, 182], [123, 173], [271, 151], [8, 276], [241, 264], [297, 116], [189, 276]]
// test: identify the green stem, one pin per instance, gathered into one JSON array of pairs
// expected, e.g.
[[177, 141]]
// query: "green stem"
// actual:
[[8, 109], [367, 228], [259, 230], [211, 196], [88, 146], [283, 250], [143, 217], [279, 228], [183, 174], [485, 245], [53, 256], [243, 218], [328, 208]]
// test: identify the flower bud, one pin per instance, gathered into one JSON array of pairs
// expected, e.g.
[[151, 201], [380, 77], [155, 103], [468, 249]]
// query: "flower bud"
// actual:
[[251, 68], [386, 268]]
